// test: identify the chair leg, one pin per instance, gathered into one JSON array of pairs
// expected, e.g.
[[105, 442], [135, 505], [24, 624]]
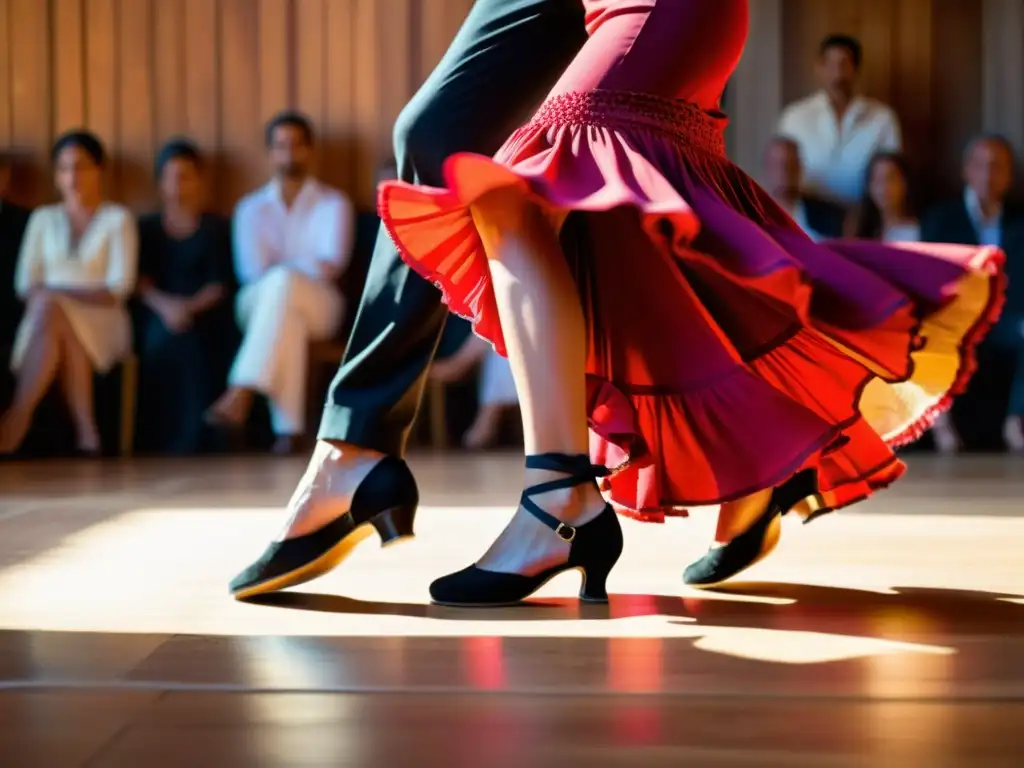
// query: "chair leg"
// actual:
[[438, 416], [129, 391]]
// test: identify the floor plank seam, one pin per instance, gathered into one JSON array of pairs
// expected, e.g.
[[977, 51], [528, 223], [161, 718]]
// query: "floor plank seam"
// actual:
[[169, 687]]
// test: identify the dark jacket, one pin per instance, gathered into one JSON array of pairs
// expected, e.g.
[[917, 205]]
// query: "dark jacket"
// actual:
[[13, 220]]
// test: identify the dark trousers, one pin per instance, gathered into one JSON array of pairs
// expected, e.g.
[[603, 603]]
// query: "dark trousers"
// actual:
[[181, 374], [502, 63]]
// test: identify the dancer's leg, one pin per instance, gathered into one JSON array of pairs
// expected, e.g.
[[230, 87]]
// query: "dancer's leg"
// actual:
[[735, 517], [543, 326], [504, 59]]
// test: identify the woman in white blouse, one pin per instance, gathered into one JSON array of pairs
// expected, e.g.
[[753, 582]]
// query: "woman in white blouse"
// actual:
[[887, 212], [76, 269]]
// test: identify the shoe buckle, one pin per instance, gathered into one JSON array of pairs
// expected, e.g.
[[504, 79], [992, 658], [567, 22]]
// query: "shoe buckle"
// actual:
[[565, 532]]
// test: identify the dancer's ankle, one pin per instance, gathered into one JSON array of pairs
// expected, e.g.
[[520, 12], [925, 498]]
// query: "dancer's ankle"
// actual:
[[340, 452], [578, 504], [735, 517]]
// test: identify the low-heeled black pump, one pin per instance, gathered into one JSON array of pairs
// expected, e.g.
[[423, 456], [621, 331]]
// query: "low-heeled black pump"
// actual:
[[722, 563], [385, 501], [595, 546]]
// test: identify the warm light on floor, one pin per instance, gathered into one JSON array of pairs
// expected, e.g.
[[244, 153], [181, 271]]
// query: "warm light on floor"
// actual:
[[165, 570]]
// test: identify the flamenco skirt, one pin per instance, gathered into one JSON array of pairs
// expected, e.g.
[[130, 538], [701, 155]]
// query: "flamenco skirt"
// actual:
[[727, 350]]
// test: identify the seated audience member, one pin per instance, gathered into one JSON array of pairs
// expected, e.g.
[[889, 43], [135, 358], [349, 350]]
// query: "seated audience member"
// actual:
[[12, 228], [837, 129], [292, 243], [982, 215], [76, 269], [887, 211], [819, 218], [184, 285], [496, 390]]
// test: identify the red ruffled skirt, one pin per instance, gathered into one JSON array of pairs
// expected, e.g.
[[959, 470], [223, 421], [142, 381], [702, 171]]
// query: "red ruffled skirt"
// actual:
[[727, 350]]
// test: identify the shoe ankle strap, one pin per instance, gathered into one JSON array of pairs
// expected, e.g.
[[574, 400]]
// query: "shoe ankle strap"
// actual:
[[576, 465], [579, 470]]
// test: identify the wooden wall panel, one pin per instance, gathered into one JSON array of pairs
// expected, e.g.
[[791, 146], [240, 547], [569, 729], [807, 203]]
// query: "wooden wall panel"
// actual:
[[136, 102], [924, 57], [5, 77], [68, 58], [28, 26], [140, 71]]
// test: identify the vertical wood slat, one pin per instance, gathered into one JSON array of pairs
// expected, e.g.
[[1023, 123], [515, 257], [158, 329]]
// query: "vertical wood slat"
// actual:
[[396, 72], [241, 133], [1002, 65], [310, 60], [957, 111], [169, 55], [437, 27], [275, 56], [878, 24], [338, 151], [31, 104], [69, 84], [5, 75], [101, 71], [366, 97], [756, 87], [912, 79], [135, 102], [201, 77]]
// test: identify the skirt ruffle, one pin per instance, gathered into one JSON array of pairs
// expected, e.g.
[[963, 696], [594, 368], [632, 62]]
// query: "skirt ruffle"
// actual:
[[727, 350]]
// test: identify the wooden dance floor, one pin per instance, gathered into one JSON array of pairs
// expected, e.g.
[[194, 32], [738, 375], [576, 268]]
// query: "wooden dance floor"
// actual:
[[890, 635]]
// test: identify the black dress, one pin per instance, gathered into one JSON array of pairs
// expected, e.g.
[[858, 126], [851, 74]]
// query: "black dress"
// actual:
[[181, 374]]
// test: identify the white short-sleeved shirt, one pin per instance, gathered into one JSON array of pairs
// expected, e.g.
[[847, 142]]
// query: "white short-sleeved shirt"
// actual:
[[316, 231], [836, 154]]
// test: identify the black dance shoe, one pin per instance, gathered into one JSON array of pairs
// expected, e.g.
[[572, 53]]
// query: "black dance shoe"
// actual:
[[595, 549], [725, 562], [386, 500]]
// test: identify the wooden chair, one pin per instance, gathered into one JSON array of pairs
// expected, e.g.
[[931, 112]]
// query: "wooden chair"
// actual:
[[438, 414], [326, 355], [128, 396]]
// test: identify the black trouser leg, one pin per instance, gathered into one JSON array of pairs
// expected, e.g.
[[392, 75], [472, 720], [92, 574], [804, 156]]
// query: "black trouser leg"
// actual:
[[503, 61]]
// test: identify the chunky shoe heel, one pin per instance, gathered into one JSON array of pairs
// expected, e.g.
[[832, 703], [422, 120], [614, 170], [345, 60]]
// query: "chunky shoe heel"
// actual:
[[594, 547], [395, 524], [386, 499], [594, 589], [722, 563]]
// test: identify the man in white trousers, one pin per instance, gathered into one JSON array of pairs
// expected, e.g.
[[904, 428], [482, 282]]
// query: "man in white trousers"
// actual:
[[292, 242]]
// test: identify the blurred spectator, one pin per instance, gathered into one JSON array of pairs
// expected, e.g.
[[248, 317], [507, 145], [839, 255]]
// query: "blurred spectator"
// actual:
[[887, 211], [496, 390], [783, 173], [982, 215], [76, 268], [838, 130], [184, 323], [292, 243], [13, 220]]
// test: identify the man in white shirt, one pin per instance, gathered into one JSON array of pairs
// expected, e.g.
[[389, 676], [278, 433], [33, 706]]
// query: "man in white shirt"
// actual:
[[783, 175], [292, 242], [838, 130]]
